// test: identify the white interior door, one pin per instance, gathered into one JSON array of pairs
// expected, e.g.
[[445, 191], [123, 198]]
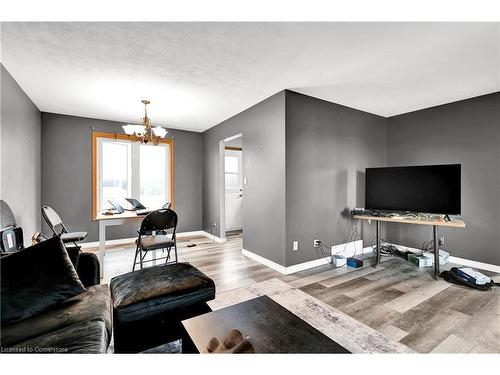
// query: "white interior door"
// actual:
[[233, 178]]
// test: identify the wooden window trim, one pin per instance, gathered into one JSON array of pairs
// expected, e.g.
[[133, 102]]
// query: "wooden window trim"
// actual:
[[233, 148], [124, 137]]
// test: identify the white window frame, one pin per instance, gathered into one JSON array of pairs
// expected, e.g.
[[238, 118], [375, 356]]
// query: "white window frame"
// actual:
[[100, 142]]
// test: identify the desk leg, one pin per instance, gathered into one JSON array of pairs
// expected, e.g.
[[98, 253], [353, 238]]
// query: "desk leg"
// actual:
[[436, 250], [377, 224], [102, 245]]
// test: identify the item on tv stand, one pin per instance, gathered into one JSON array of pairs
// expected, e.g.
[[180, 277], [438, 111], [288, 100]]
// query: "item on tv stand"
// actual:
[[362, 211], [434, 189], [355, 263]]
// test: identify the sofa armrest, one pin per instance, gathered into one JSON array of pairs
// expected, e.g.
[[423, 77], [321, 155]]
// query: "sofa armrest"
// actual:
[[88, 269]]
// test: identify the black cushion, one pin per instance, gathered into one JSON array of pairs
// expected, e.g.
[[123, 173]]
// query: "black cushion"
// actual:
[[74, 254], [36, 278], [88, 269], [94, 304], [87, 337], [156, 290], [153, 242]]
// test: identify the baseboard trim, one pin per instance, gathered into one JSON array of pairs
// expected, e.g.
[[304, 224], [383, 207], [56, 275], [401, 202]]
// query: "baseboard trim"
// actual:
[[125, 241], [475, 264], [306, 265], [212, 237], [265, 261]]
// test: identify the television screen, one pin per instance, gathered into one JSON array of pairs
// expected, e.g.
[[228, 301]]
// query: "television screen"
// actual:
[[427, 189]]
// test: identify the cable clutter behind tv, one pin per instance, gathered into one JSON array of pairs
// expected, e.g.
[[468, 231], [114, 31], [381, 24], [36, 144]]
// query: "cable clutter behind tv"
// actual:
[[435, 221]]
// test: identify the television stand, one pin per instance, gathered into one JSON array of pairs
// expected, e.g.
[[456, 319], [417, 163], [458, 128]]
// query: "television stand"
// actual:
[[435, 229]]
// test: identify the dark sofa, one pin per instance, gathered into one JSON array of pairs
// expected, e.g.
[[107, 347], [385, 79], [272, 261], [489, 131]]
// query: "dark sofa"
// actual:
[[45, 306]]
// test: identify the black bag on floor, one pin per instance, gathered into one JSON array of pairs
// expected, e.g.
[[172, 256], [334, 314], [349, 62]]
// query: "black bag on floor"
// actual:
[[452, 277]]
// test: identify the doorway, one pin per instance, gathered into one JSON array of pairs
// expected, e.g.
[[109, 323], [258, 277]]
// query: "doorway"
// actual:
[[233, 185]]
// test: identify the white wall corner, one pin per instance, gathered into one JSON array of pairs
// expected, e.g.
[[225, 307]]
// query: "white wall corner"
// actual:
[[213, 237]]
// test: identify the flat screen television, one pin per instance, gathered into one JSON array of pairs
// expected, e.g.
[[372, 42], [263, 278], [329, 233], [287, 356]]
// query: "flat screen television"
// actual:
[[428, 189]]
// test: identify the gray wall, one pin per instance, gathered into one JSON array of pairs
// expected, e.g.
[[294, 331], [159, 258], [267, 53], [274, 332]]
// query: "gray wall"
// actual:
[[328, 147], [67, 174], [263, 129], [466, 132], [20, 155]]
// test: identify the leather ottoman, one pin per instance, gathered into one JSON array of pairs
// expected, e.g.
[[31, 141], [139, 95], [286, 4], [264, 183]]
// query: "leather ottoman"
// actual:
[[149, 304]]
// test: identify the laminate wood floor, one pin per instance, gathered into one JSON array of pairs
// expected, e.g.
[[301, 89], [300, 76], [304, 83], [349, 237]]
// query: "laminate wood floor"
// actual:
[[403, 302]]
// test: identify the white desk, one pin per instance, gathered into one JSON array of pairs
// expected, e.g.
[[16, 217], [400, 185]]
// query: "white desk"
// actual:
[[434, 223], [109, 220]]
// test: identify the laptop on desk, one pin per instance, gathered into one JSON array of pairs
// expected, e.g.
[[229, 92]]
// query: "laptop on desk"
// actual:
[[116, 206], [140, 209]]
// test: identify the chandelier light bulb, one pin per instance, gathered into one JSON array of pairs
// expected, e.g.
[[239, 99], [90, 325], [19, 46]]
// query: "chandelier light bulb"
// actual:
[[145, 133]]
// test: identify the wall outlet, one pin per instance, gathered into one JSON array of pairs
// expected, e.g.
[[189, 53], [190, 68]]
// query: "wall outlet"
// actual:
[[441, 240], [295, 245], [316, 243]]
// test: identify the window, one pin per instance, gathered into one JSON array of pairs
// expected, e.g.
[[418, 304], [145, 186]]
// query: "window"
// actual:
[[124, 169], [153, 179], [115, 166], [231, 170]]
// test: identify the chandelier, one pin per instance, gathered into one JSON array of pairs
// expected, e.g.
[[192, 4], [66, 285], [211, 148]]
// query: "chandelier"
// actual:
[[145, 133]]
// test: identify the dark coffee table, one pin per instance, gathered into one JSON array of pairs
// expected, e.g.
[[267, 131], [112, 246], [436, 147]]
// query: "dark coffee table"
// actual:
[[270, 327]]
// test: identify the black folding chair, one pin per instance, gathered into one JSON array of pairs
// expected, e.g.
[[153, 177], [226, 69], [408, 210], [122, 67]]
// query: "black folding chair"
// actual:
[[153, 235], [54, 221]]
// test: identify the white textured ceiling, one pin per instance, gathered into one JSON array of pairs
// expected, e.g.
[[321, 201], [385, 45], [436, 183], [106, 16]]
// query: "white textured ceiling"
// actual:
[[199, 74]]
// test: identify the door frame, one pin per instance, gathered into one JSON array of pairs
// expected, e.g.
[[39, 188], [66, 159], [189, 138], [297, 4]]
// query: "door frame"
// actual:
[[222, 184]]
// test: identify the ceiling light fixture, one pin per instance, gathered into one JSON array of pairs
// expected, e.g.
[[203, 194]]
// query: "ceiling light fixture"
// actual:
[[145, 133]]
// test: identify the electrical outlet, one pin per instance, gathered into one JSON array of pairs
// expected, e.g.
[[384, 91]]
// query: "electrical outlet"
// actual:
[[441, 240], [316, 243], [295, 245]]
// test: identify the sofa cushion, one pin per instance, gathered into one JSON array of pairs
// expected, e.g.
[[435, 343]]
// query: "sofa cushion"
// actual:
[[156, 290], [88, 269], [88, 337], [93, 304], [36, 278]]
